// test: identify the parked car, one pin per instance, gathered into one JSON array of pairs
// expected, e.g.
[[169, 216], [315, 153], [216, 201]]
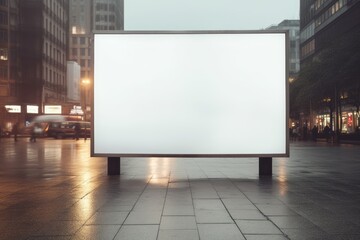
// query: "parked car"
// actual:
[[66, 129], [5, 133]]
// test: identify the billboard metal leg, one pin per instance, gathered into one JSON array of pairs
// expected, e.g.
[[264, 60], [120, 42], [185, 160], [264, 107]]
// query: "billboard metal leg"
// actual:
[[113, 165], [265, 166]]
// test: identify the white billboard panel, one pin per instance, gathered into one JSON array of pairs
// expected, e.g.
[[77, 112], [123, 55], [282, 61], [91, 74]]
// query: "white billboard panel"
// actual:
[[190, 94]]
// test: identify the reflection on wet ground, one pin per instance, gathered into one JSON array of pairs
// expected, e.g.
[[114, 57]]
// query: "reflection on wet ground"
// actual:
[[53, 189]]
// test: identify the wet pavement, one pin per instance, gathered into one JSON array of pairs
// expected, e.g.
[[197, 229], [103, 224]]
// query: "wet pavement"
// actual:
[[53, 189]]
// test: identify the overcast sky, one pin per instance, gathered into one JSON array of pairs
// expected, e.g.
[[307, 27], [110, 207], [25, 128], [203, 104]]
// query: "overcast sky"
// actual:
[[207, 14]]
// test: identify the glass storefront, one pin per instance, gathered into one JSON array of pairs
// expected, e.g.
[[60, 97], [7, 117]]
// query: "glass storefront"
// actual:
[[350, 121]]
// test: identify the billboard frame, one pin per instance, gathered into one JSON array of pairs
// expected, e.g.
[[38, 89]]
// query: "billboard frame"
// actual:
[[269, 155]]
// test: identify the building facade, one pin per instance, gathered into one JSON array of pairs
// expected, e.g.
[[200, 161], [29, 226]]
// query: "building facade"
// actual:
[[108, 15], [10, 64], [44, 30], [323, 23], [293, 26], [85, 18]]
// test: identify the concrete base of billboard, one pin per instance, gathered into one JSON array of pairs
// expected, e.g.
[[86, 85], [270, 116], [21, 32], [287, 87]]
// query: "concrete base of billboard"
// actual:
[[265, 166], [113, 165]]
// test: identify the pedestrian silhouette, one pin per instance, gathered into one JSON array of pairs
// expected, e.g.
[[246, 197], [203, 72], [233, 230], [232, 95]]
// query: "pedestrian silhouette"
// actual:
[[327, 133], [77, 131], [314, 133], [36, 130], [15, 131]]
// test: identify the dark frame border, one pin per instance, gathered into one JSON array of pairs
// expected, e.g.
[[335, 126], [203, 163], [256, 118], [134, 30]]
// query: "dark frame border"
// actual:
[[287, 51]]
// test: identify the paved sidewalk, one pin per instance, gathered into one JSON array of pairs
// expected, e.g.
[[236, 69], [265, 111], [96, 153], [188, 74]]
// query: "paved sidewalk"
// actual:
[[52, 189]]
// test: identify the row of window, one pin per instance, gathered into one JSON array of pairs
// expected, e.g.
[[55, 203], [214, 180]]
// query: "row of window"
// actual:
[[78, 30], [308, 32], [3, 2], [105, 18], [3, 54], [83, 52], [3, 35], [104, 27], [54, 53], [56, 31], [79, 40], [330, 12], [85, 74], [308, 49], [3, 18], [53, 77], [57, 8], [319, 3], [3, 72], [105, 7]]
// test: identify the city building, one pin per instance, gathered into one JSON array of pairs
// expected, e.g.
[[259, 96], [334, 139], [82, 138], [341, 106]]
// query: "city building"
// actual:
[[323, 23], [293, 26], [108, 15], [86, 17], [10, 64], [44, 37]]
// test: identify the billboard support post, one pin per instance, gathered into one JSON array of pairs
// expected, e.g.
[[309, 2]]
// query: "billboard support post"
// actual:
[[265, 166], [113, 166]]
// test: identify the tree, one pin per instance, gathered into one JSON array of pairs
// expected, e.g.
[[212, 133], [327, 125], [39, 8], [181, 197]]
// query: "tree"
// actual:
[[334, 69]]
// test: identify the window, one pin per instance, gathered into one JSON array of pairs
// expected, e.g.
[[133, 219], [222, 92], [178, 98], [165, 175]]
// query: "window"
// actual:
[[82, 40], [3, 18], [3, 54], [3, 36], [74, 52], [82, 51], [82, 63], [292, 44], [308, 49], [3, 2], [3, 72], [74, 40]]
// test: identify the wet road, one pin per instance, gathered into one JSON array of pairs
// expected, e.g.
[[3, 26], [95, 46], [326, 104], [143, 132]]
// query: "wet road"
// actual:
[[53, 189]]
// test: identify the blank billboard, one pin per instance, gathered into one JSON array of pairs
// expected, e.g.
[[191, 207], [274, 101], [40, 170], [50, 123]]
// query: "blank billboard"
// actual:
[[190, 94]]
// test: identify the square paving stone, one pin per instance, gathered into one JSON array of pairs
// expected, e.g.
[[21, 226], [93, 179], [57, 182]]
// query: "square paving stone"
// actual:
[[257, 227], [137, 232], [59, 228], [96, 232], [114, 218], [266, 237], [185, 210], [208, 204], [246, 214], [292, 222], [206, 216], [178, 222], [178, 234], [219, 231], [143, 217]]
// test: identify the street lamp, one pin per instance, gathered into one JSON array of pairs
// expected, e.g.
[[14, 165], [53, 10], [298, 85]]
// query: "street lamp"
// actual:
[[85, 83]]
